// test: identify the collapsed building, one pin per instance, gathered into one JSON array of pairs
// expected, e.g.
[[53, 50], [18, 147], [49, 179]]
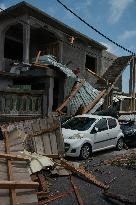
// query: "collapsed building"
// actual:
[[46, 66], [24, 31]]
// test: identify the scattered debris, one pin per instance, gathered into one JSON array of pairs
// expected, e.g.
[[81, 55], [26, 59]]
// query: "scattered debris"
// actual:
[[87, 175], [127, 161], [55, 197]]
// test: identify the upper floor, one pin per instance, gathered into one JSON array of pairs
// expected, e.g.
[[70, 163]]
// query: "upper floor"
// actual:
[[24, 30]]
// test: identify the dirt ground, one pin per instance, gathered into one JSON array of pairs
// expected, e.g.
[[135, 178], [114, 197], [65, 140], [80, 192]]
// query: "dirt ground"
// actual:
[[121, 177]]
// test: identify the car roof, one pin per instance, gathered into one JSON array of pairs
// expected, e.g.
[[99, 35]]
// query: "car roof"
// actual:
[[94, 116]]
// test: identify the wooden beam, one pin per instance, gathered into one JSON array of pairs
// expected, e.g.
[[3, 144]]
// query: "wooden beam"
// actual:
[[37, 57], [10, 173], [81, 172], [94, 102], [94, 74], [76, 190], [40, 65], [14, 157], [127, 112], [43, 182], [55, 197], [18, 185], [43, 131], [73, 93]]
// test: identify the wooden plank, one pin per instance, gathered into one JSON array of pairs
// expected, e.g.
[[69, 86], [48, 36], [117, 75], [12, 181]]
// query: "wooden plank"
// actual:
[[37, 57], [14, 157], [95, 74], [55, 197], [46, 144], [73, 93], [18, 185], [53, 141], [87, 175], [10, 173], [43, 182], [76, 190], [94, 102], [38, 144]]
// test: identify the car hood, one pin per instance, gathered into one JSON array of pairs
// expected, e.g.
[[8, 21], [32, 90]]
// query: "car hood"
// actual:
[[68, 132]]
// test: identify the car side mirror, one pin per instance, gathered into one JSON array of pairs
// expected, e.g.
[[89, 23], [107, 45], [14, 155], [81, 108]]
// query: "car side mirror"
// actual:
[[94, 130]]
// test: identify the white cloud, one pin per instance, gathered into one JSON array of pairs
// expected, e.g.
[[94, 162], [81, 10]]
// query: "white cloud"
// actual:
[[110, 47], [127, 35], [2, 6], [81, 7], [117, 8]]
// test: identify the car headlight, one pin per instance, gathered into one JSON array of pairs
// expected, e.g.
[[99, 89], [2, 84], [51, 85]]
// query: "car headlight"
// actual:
[[76, 136]]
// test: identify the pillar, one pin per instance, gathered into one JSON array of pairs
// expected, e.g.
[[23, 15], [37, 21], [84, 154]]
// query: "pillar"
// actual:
[[26, 42], [50, 94], [2, 39]]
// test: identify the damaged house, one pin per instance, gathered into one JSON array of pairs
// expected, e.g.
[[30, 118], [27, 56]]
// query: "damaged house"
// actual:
[[46, 66], [41, 60], [24, 31]]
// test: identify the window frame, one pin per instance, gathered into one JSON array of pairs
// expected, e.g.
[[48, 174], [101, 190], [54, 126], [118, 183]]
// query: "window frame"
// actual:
[[106, 123], [109, 125]]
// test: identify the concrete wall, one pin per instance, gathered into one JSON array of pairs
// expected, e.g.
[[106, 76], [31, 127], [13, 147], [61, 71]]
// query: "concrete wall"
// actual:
[[5, 82], [75, 55]]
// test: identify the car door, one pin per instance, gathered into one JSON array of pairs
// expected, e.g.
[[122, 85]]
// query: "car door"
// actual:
[[113, 130], [102, 135]]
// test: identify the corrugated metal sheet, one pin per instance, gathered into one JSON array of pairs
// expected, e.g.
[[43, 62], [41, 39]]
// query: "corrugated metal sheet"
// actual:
[[50, 60], [83, 97]]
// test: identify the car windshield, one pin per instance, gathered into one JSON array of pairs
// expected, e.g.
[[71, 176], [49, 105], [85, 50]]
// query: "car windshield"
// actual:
[[79, 123]]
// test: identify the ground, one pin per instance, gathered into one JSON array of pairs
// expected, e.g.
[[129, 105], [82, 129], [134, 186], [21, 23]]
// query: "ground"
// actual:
[[122, 180]]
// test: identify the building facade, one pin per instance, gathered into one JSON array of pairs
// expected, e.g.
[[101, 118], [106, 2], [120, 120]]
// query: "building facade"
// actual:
[[25, 30]]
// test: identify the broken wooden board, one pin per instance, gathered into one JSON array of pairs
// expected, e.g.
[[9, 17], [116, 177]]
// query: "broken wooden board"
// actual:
[[75, 89], [42, 136], [94, 102], [12, 190], [87, 175]]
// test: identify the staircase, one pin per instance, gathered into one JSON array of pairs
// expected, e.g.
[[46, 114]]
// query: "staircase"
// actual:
[[113, 73]]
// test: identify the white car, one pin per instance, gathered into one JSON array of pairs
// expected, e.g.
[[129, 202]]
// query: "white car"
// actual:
[[87, 133]]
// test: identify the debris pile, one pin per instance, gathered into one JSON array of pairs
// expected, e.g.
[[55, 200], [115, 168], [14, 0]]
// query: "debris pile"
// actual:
[[25, 155]]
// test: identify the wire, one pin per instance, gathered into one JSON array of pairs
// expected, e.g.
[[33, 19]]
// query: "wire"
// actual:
[[93, 28]]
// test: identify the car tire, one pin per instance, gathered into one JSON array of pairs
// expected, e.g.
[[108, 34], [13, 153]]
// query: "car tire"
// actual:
[[120, 144], [85, 151]]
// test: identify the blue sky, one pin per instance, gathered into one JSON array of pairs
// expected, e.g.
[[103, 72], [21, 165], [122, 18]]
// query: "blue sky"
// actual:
[[115, 18]]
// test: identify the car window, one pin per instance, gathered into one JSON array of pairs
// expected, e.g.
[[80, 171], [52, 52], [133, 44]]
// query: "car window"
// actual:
[[112, 123], [79, 123], [101, 125]]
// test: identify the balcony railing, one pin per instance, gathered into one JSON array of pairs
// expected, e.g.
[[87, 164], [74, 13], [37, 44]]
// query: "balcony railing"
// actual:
[[17, 103]]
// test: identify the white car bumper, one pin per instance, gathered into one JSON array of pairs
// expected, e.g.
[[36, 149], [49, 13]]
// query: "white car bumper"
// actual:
[[73, 147]]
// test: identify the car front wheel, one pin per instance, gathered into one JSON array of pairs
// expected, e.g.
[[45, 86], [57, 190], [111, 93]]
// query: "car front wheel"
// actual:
[[86, 151], [120, 144]]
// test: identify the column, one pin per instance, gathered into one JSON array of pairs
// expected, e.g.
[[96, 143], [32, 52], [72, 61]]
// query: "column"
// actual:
[[50, 94], [26, 42], [2, 39]]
